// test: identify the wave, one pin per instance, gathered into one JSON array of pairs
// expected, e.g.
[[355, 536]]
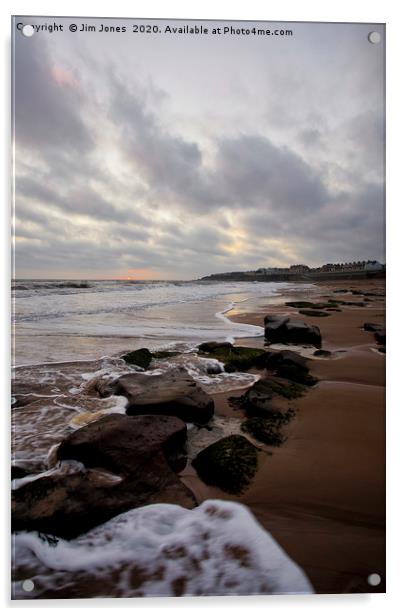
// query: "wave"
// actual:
[[218, 548]]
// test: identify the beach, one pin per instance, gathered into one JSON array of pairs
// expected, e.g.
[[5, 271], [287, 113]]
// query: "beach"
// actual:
[[320, 494]]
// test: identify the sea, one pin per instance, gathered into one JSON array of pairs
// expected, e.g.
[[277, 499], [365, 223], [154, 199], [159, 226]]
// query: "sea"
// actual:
[[61, 320]]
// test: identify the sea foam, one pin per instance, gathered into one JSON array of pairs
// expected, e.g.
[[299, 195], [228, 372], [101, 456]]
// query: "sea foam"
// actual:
[[217, 548]]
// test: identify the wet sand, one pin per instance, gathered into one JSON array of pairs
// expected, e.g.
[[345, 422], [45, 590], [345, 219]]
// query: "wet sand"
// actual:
[[322, 494]]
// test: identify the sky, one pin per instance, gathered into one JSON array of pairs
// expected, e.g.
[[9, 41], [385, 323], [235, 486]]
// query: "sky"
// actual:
[[172, 156]]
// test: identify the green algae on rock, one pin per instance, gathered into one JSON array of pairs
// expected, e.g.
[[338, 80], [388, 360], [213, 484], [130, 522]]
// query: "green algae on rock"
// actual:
[[264, 430], [234, 358], [314, 313], [229, 464]]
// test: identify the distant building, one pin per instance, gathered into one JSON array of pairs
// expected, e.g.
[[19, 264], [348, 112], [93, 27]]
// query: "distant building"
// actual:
[[354, 266], [373, 266], [299, 269]]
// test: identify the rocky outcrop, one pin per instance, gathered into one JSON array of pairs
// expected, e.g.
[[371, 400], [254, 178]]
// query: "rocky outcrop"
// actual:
[[172, 393], [128, 463], [229, 464], [285, 329]]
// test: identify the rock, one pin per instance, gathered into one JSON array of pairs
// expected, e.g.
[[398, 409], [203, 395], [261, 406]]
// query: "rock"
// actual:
[[68, 505], [17, 472], [214, 368], [172, 393], [314, 313], [296, 374], [299, 304], [121, 444], [372, 327], [214, 347], [379, 331], [360, 304], [140, 357], [234, 358], [164, 354], [330, 304], [229, 464], [265, 430], [380, 336], [272, 360], [261, 400], [322, 353], [27, 467], [288, 365], [284, 329]]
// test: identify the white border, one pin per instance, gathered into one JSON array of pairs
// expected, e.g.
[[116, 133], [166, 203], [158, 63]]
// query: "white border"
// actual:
[[290, 10]]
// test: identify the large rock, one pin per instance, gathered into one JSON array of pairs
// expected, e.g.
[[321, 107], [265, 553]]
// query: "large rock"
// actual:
[[121, 444], [173, 393], [285, 329], [130, 462], [229, 464]]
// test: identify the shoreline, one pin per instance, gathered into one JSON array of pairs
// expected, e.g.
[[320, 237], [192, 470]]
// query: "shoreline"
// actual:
[[322, 493]]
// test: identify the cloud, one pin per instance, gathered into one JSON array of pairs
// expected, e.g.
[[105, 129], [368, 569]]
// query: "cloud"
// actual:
[[127, 162], [45, 106]]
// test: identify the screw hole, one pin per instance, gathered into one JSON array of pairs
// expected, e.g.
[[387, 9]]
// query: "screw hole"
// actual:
[[28, 30], [374, 579], [374, 37], [28, 585]]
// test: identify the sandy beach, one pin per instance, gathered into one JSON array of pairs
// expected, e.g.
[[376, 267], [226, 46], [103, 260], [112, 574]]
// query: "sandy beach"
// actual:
[[322, 493]]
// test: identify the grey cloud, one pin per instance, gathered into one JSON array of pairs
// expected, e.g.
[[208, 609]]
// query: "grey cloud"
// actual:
[[170, 164], [46, 112], [248, 169], [84, 201], [256, 172]]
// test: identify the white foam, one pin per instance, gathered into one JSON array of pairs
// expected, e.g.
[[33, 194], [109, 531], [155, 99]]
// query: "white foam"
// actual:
[[64, 467], [217, 548]]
